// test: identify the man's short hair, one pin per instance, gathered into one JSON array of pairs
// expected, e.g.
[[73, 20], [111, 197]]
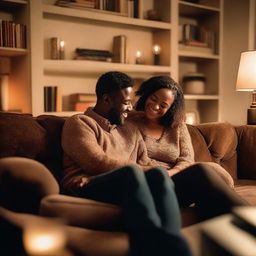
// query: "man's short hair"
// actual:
[[112, 81]]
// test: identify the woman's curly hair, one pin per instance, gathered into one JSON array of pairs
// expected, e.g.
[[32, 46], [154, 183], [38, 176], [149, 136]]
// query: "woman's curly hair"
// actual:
[[175, 115]]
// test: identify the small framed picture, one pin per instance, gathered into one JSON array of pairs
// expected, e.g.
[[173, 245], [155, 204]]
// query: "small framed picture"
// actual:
[[192, 117]]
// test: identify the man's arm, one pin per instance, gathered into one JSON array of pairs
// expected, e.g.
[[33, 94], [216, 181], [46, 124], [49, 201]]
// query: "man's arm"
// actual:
[[79, 142]]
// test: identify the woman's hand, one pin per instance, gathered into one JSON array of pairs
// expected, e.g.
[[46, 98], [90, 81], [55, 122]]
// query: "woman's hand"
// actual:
[[85, 181]]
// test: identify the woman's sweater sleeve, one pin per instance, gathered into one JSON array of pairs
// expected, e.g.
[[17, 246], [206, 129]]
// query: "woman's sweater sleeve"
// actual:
[[186, 156]]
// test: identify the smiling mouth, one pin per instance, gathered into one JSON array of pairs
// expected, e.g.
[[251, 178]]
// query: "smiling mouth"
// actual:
[[125, 114]]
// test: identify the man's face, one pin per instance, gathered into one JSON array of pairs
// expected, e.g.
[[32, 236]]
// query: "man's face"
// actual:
[[121, 104]]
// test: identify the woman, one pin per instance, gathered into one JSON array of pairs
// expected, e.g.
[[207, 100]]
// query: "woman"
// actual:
[[160, 119]]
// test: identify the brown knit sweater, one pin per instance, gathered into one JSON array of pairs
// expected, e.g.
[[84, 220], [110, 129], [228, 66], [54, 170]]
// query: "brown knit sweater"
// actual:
[[92, 146], [173, 150]]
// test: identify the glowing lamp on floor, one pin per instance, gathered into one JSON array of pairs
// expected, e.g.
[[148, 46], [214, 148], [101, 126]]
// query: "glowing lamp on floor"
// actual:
[[46, 238], [246, 81]]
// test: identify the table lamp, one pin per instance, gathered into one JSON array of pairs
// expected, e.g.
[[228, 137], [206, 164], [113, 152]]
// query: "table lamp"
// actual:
[[246, 81]]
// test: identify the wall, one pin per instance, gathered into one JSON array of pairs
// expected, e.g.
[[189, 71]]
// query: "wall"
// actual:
[[235, 40]]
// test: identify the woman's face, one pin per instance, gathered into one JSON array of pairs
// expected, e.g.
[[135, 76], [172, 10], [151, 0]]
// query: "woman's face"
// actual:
[[158, 103]]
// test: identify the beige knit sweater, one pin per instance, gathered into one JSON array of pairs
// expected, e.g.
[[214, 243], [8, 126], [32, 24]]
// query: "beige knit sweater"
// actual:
[[173, 150], [92, 146]]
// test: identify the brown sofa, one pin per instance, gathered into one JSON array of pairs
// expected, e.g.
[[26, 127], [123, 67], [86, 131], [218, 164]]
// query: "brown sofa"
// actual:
[[22, 188]]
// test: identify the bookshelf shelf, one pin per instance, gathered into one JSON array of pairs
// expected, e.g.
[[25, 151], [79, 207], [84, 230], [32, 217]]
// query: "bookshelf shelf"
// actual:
[[94, 14], [12, 52], [78, 66], [63, 113], [194, 54], [190, 9], [201, 97], [13, 2]]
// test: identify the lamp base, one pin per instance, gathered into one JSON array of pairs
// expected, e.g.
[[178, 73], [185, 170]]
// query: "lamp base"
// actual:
[[251, 116]]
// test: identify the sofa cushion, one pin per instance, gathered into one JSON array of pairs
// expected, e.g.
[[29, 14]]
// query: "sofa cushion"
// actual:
[[82, 212], [247, 192], [215, 142], [52, 155]]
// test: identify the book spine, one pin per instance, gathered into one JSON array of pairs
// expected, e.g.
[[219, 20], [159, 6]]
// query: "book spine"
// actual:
[[55, 48]]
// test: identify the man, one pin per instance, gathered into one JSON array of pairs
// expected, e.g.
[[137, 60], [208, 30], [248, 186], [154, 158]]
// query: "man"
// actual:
[[95, 142]]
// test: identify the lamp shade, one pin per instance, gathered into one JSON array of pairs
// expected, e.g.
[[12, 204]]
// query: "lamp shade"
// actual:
[[246, 78]]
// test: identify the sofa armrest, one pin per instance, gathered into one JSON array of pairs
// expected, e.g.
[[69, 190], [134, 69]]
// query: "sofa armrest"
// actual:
[[23, 183], [246, 151], [82, 212], [79, 241]]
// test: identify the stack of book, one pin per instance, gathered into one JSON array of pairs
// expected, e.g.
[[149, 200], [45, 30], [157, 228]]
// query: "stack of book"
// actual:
[[12, 35], [81, 101], [90, 54], [52, 99], [130, 8], [195, 38]]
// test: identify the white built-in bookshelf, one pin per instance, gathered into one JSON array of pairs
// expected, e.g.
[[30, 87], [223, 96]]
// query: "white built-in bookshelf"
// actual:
[[94, 29], [15, 13]]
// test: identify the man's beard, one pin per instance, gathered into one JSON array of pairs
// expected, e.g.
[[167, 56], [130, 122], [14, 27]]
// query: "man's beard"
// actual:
[[115, 117]]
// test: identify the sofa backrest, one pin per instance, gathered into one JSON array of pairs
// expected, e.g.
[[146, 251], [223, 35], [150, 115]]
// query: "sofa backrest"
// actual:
[[40, 138], [32, 137], [246, 151], [215, 142]]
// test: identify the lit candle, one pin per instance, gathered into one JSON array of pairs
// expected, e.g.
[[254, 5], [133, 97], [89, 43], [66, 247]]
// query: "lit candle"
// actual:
[[138, 59], [156, 52], [62, 50]]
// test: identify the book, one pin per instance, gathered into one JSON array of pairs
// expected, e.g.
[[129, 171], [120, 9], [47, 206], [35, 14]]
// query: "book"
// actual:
[[207, 50], [82, 97], [82, 106], [119, 49], [93, 58], [196, 43], [52, 99], [131, 8], [92, 52]]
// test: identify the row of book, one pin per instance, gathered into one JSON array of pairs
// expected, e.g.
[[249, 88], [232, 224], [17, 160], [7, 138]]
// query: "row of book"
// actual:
[[77, 101], [119, 54], [12, 35], [129, 8], [193, 36]]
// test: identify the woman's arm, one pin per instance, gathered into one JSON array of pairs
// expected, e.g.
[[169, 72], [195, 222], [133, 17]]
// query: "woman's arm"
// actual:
[[186, 157]]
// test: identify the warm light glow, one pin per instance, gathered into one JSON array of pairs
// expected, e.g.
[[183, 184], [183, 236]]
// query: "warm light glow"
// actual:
[[42, 242], [192, 117], [62, 44], [138, 54], [246, 78], [156, 49], [44, 239]]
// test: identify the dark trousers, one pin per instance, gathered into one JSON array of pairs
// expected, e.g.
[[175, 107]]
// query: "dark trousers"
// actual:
[[150, 208], [201, 185]]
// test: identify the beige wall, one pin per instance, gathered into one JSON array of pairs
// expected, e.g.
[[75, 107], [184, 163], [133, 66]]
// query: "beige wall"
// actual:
[[235, 40]]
